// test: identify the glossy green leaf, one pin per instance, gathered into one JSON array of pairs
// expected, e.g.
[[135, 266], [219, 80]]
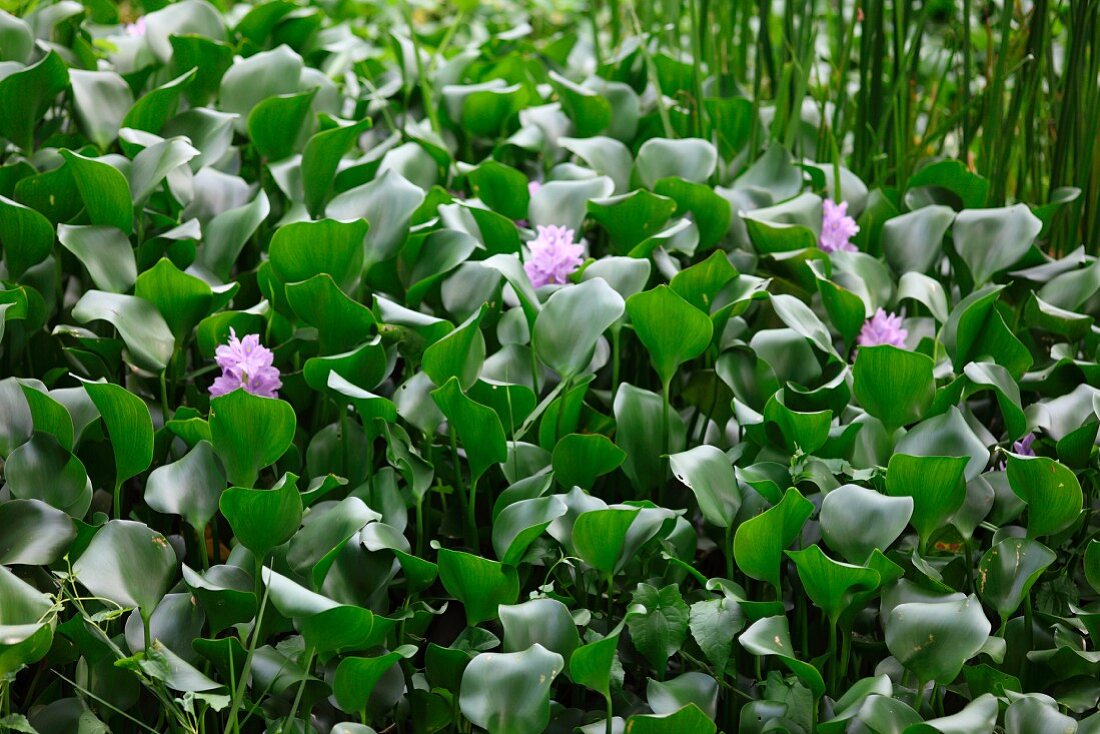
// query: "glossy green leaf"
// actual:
[[672, 330], [249, 433], [1051, 491], [129, 564], [759, 542], [263, 518], [479, 584], [509, 693]]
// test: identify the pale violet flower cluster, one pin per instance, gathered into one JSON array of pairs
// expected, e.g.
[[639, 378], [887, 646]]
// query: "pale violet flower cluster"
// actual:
[[553, 256], [137, 28], [837, 228], [1023, 446], [882, 328], [248, 364]]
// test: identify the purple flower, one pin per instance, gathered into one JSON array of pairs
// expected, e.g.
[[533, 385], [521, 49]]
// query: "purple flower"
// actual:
[[1023, 446], [532, 187], [137, 28], [246, 363], [882, 328], [837, 228], [553, 256]]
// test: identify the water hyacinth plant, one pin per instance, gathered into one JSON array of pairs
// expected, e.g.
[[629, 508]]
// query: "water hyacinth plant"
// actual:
[[561, 367]]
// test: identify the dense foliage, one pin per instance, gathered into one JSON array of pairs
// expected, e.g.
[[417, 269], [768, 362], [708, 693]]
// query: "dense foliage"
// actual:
[[502, 377]]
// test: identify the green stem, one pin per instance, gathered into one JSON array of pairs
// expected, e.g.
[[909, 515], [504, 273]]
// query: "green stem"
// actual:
[[146, 629], [200, 536], [422, 76], [301, 688], [608, 728], [232, 725], [164, 393], [834, 666], [117, 509], [471, 513], [665, 410]]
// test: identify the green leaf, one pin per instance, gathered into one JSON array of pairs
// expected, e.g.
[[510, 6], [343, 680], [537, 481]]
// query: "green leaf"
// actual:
[[129, 426], [226, 234], [1092, 564], [502, 188], [129, 564], [936, 484], [772, 636], [606, 156], [565, 203], [16, 39], [301, 250], [831, 585], [479, 584], [26, 236], [546, 622], [1008, 570], [320, 159], [631, 218], [672, 330], [148, 340], [36, 88], [637, 411], [25, 623], [688, 689], [251, 80], [356, 677], [190, 487], [992, 240], [855, 521], [182, 299], [275, 123], [590, 112], [153, 110], [341, 321], [759, 542], [894, 385], [460, 354], [691, 159], [509, 693], [42, 469], [388, 203], [477, 426], [249, 433], [105, 252], [711, 213], [36, 534], [946, 435], [155, 163], [708, 472], [263, 519], [520, 523], [571, 322], [913, 242], [103, 189], [313, 549], [581, 458], [100, 100], [714, 623], [976, 331], [364, 365], [700, 284], [661, 631], [935, 639], [599, 537], [1052, 493], [689, 718]]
